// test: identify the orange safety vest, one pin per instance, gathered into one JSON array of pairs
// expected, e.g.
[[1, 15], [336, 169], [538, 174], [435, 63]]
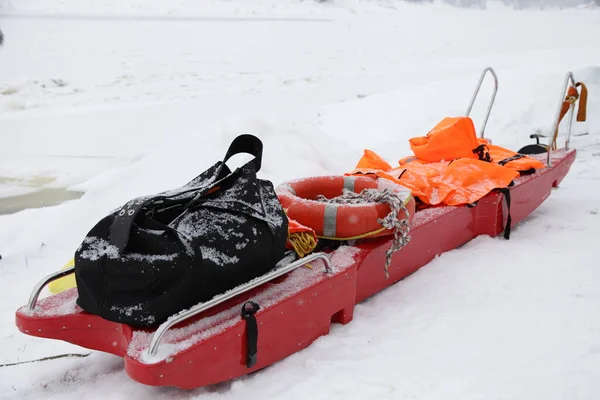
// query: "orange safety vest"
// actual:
[[451, 138], [462, 181], [455, 137], [511, 159], [451, 165]]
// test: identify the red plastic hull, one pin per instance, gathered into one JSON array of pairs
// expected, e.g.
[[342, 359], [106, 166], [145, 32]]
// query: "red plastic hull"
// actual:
[[297, 308]]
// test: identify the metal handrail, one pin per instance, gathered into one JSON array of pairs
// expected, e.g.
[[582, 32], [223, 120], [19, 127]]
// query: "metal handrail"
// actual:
[[489, 110], [35, 293], [165, 326], [197, 309], [568, 77]]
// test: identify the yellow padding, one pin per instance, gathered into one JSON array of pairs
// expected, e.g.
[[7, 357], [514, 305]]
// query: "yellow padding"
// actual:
[[67, 282]]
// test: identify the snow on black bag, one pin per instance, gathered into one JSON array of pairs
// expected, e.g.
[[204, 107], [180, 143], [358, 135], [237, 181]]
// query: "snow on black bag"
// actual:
[[161, 254]]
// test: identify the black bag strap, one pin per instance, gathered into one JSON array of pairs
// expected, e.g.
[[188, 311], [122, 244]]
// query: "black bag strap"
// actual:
[[246, 143], [242, 144], [119, 229], [506, 192], [123, 221]]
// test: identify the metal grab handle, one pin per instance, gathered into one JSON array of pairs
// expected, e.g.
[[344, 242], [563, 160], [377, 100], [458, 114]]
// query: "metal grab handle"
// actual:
[[197, 309], [35, 294], [568, 77], [489, 110]]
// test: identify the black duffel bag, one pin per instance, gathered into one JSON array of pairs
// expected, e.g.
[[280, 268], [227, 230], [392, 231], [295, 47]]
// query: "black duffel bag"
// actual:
[[160, 254]]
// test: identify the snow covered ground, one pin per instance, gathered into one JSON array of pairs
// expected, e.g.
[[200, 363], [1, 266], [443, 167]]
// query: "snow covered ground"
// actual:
[[117, 99]]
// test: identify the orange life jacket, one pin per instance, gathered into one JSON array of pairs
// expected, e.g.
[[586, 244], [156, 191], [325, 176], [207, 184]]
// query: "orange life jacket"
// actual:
[[451, 138], [510, 159], [451, 165], [461, 181]]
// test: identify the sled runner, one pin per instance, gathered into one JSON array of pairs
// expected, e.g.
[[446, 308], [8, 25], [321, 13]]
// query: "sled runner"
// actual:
[[282, 311]]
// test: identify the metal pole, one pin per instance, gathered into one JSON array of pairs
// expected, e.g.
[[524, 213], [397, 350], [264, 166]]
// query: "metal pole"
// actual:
[[197, 309], [33, 297], [568, 77], [489, 109], [570, 126]]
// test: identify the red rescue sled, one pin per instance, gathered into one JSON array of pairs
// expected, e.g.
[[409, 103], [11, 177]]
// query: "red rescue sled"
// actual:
[[209, 343]]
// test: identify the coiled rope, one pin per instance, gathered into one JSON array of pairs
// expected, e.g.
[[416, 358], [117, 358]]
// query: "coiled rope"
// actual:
[[401, 227]]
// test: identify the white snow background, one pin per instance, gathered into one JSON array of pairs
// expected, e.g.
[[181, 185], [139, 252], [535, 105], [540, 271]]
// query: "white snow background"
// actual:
[[121, 98]]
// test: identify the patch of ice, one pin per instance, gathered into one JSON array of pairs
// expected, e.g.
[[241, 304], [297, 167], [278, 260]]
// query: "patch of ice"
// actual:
[[204, 221], [151, 257], [429, 214], [63, 303], [128, 311], [241, 245], [218, 257], [98, 248]]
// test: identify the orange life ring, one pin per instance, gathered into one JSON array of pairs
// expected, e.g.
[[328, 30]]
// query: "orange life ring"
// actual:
[[340, 221]]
